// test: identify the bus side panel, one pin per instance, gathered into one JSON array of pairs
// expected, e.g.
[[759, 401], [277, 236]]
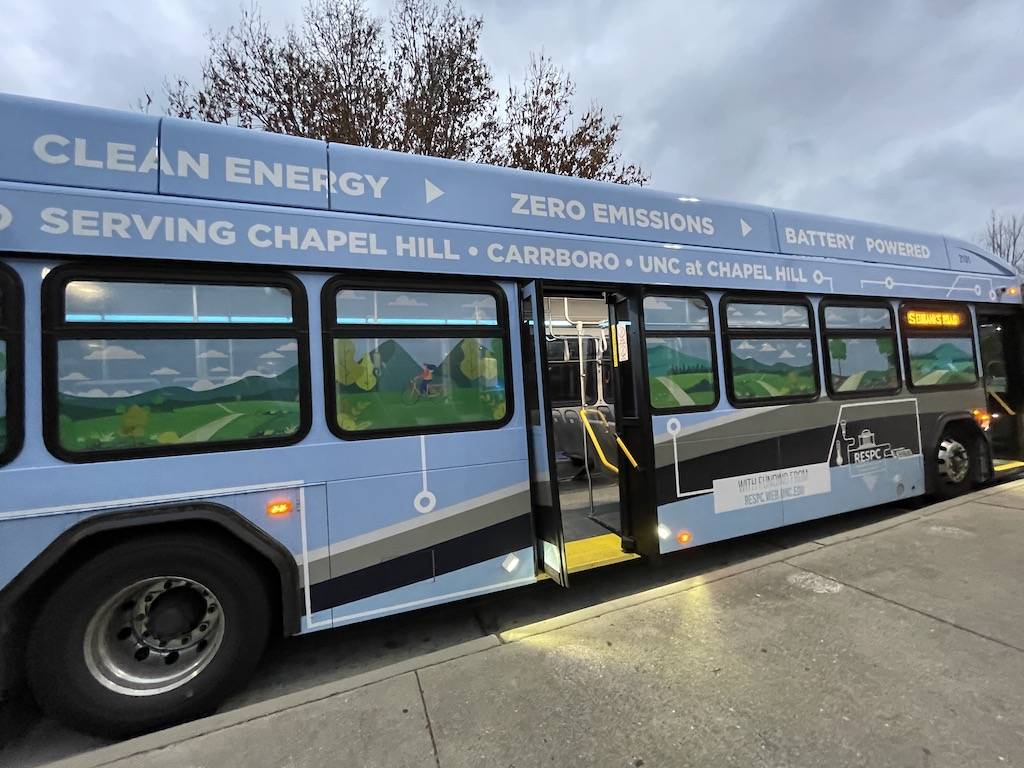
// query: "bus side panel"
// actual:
[[801, 461], [433, 517]]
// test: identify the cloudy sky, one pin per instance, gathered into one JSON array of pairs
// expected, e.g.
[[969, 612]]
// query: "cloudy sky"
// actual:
[[909, 112]]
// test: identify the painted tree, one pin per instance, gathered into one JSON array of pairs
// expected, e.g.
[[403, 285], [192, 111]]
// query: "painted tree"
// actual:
[[134, 421], [837, 351], [415, 82]]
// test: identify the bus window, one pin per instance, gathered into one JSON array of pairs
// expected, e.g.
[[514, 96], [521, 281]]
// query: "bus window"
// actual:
[[148, 368], [939, 346], [91, 301], [10, 369], [680, 358], [860, 346], [416, 361], [770, 351]]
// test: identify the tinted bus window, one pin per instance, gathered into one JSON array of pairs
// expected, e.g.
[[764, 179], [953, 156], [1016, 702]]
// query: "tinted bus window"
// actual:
[[939, 345], [860, 346], [147, 367], [770, 348], [10, 365], [417, 361], [680, 358]]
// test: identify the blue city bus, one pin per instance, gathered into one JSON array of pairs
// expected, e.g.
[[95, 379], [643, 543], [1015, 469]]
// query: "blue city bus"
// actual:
[[255, 384]]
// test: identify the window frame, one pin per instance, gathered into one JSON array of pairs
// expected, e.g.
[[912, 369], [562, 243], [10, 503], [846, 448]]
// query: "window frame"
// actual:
[[331, 330], [966, 332], [858, 333], [710, 334], [12, 332], [56, 329], [809, 333]]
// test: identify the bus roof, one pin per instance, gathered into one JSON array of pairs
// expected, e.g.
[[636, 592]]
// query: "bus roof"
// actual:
[[65, 145]]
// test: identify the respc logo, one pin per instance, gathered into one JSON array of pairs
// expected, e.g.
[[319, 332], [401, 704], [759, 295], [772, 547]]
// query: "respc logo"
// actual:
[[5, 217]]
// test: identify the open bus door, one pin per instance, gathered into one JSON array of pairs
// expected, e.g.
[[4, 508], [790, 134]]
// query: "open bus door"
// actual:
[[1002, 359], [547, 513], [635, 438]]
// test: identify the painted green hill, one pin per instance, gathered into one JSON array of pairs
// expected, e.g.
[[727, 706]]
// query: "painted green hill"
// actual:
[[750, 365], [947, 351], [662, 360], [280, 388]]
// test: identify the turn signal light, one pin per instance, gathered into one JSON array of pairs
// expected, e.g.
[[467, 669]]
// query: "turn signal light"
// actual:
[[280, 507], [982, 418], [684, 537]]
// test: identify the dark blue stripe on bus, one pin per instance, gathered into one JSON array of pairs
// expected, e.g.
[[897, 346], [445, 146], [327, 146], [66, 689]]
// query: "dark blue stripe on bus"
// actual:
[[446, 557]]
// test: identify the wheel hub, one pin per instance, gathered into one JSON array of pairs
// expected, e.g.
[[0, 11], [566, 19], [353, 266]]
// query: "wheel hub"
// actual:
[[954, 461], [171, 613], [154, 636]]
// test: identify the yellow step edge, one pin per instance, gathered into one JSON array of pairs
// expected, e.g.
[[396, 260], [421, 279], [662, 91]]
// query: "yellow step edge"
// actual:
[[594, 552], [1009, 465]]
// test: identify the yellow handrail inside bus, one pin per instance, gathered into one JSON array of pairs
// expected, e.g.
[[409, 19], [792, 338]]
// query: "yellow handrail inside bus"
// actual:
[[597, 446], [625, 450], [593, 439], [998, 399]]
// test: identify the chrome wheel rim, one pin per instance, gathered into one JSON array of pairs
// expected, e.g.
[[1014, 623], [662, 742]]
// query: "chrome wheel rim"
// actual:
[[954, 461], [154, 636]]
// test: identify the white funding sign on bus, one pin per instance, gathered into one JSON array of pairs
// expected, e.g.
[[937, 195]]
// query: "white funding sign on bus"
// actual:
[[745, 491]]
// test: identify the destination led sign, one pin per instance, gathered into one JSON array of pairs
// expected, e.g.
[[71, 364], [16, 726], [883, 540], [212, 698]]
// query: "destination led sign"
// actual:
[[919, 318]]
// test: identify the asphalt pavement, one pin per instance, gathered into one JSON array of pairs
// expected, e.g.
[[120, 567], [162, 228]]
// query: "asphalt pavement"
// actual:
[[891, 636]]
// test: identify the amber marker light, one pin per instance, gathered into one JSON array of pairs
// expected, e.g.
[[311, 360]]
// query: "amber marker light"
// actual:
[[982, 418], [279, 507], [684, 537]]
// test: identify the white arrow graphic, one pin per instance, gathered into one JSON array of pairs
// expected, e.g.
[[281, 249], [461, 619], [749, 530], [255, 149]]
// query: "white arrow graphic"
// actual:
[[744, 228], [433, 191]]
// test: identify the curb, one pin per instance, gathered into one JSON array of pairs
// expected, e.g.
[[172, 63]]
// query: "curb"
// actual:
[[218, 722]]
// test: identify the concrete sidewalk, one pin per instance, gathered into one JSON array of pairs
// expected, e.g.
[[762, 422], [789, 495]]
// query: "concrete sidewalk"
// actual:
[[900, 643]]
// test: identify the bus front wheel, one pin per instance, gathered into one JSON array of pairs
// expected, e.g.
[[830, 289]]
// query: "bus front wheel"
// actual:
[[956, 461], [149, 633]]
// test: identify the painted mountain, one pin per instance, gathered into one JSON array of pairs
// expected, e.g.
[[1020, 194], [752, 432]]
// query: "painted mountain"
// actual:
[[375, 389], [753, 379], [677, 379], [947, 363], [663, 359], [249, 408]]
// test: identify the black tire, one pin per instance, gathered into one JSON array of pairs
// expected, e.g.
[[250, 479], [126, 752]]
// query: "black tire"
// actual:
[[59, 675], [947, 455]]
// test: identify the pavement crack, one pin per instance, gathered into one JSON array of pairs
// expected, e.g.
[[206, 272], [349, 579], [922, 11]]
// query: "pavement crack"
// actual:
[[918, 611], [426, 715], [479, 622]]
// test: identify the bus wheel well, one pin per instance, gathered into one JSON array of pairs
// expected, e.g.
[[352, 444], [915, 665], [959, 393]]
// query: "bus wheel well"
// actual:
[[966, 431], [76, 547]]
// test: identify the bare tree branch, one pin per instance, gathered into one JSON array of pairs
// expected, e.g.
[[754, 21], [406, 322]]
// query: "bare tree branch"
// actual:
[[422, 86], [1004, 236]]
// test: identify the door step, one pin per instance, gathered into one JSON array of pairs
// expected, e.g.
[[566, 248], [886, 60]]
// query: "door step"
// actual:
[[584, 554], [1005, 465]]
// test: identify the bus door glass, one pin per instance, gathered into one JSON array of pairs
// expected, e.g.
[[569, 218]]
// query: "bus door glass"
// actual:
[[634, 432], [543, 477]]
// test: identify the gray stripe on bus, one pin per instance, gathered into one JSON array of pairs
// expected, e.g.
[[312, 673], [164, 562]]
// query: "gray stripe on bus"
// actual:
[[409, 536]]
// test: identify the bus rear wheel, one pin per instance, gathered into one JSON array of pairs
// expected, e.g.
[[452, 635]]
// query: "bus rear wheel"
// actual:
[[956, 461], [149, 633]]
